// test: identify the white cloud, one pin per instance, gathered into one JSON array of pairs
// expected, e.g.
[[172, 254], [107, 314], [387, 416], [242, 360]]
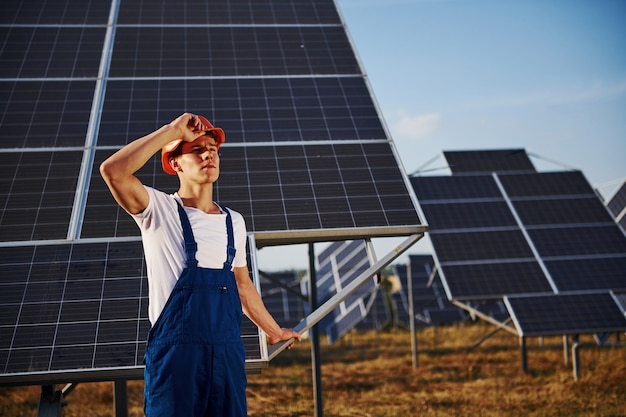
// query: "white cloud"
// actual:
[[596, 91], [414, 127]]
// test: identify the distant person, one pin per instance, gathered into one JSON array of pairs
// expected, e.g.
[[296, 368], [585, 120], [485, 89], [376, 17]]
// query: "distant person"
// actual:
[[199, 284]]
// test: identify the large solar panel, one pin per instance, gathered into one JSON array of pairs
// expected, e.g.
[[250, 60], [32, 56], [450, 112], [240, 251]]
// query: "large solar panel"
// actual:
[[500, 228], [307, 156]]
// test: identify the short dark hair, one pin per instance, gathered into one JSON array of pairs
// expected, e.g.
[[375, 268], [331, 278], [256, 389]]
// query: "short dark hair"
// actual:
[[179, 149]]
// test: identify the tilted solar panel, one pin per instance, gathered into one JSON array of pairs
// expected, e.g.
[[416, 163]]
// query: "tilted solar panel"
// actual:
[[338, 265], [307, 157], [489, 245], [616, 203], [566, 314], [497, 160], [499, 230]]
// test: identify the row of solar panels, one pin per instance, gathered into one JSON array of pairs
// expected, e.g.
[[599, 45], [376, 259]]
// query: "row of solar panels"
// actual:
[[486, 231], [307, 159]]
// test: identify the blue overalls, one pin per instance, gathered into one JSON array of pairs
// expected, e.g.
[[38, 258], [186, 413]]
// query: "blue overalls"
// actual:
[[195, 358]]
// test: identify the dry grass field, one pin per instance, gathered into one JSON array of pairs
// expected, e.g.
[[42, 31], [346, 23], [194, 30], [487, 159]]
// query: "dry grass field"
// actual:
[[371, 374]]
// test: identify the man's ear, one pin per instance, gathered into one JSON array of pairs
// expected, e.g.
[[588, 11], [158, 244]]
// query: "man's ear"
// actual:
[[174, 164]]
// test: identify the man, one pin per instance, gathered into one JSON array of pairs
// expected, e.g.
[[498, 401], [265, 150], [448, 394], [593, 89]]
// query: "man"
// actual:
[[197, 274]]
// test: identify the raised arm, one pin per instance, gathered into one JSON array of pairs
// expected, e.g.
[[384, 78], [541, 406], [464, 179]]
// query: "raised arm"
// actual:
[[254, 308], [118, 171]]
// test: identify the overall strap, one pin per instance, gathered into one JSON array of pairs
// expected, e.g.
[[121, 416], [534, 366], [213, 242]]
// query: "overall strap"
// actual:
[[230, 248], [191, 247]]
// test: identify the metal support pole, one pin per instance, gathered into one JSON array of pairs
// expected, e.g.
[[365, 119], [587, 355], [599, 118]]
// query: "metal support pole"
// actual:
[[576, 357], [315, 338], [523, 352], [565, 349], [409, 279], [120, 398], [50, 402], [334, 301], [488, 335]]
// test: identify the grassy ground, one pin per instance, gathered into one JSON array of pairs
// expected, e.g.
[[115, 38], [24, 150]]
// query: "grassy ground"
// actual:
[[371, 374]]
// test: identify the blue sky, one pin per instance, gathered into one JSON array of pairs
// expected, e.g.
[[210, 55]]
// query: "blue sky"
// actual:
[[545, 75]]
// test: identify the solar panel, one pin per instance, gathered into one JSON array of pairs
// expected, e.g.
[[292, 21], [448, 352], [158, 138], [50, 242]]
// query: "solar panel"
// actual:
[[45, 114], [541, 240], [616, 204], [492, 280], [63, 12], [566, 314], [80, 314], [282, 297], [337, 266], [430, 303], [37, 190], [515, 233], [488, 161], [307, 156], [247, 50]]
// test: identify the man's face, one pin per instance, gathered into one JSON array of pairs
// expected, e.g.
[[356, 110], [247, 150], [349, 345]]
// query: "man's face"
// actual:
[[199, 160]]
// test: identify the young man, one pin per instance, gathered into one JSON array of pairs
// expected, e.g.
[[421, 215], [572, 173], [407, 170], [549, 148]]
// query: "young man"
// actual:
[[198, 280]]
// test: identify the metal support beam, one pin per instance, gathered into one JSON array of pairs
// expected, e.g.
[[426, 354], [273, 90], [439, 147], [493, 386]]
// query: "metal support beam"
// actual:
[[336, 299], [488, 335], [485, 317], [120, 398], [576, 357], [282, 285], [409, 279], [50, 402], [315, 337], [524, 354]]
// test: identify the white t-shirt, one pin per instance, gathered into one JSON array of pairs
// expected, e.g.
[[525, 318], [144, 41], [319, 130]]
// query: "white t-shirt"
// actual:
[[164, 247]]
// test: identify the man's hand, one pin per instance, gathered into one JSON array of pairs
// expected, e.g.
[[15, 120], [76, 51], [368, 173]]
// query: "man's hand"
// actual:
[[190, 127], [286, 334]]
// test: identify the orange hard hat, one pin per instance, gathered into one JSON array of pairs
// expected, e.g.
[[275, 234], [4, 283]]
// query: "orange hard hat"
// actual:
[[218, 134]]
